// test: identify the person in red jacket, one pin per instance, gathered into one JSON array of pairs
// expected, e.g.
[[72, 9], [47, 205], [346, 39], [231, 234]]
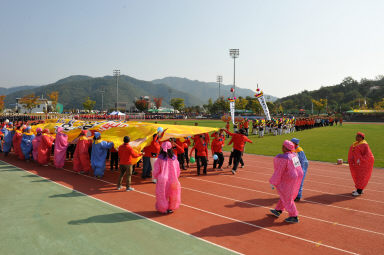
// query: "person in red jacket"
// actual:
[[360, 159], [180, 146], [217, 149], [45, 147], [201, 153], [187, 143], [239, 141], [126, 155], [81, 161]]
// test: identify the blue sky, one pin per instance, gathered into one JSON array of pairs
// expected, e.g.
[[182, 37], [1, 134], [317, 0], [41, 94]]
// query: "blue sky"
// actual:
[[285, 46]]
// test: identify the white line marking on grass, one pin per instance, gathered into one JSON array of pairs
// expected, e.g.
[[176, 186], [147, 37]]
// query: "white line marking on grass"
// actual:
[[198, 209], [138, 215]]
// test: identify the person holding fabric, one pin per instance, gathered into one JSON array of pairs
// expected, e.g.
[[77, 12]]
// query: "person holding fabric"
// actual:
[[287, 178], [99, 154], [35, 143], [61, 145], [126, 155], [217, 149], [81, 162], [187, 143], [26, 143], [239, 141], [360, 160], [167, 172], [304, 165], [179, 146], [16, 141], [201, 153], [45, 147], [114, 162], [8, 138]]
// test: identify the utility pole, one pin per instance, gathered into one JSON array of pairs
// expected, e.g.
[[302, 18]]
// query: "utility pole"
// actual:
[[234, 53], [116, 73]]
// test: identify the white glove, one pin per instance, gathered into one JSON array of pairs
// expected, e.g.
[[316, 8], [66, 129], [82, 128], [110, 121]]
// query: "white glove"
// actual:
[[272, 187]]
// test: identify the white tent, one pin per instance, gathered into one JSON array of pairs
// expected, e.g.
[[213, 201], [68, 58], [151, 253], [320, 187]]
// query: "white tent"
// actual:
[[117, 113]]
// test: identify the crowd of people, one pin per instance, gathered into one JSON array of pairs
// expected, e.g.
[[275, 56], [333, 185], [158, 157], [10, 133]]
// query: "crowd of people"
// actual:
[[163, 160]]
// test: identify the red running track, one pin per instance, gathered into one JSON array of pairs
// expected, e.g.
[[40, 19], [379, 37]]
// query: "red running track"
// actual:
[[233, 210]]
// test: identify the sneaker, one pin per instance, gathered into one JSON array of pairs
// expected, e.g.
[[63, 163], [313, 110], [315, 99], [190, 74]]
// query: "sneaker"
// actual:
[[356, 194], [292, 220], [130, 189], [233, 172], [118, 188], [275, 212], [169, 211], [154, 180], [297, 199], [242, 166]]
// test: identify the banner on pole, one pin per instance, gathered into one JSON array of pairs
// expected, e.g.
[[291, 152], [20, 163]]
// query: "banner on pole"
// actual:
[[260, 96], [232, 108]]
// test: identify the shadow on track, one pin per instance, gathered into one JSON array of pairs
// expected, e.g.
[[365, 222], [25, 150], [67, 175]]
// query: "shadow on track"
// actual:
[[239, 228]]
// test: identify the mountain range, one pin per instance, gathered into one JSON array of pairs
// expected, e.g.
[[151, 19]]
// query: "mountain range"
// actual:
[[73, 91]]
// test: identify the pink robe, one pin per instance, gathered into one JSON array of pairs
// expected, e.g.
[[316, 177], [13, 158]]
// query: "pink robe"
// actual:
[[287, 179], [35, 144], [61, 144], [168, 189], [360, 160]]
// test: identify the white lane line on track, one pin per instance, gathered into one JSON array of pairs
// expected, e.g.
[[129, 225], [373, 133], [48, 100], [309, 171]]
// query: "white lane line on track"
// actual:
[[313, 202], [198, 209], [301, 215], [311, 166], [326, 183], [313, 190], [331, 177], [138, 215]]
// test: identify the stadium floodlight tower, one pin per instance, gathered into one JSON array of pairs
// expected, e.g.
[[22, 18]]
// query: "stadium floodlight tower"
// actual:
[[234, 53], [219, 80], [116, 73]]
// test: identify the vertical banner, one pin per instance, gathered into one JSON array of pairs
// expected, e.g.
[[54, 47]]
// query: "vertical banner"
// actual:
[[260, 96], [232, 108]]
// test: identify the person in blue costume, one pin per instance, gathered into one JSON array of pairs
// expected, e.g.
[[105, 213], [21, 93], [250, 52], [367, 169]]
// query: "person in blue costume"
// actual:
[[26, 143], [8, 136], [304, 164], [99, 154]]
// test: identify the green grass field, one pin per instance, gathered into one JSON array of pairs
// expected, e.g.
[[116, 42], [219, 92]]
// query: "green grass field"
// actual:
[[322, 144]]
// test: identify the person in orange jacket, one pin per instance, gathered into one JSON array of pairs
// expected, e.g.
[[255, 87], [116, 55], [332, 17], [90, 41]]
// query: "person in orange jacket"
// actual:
[[239, 141], [217, 149], [126, 155], [201, 147]]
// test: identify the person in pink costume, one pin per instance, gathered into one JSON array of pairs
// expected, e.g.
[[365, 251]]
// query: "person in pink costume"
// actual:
[[35, 143], [167, 172], [61, 145], [287, 179]]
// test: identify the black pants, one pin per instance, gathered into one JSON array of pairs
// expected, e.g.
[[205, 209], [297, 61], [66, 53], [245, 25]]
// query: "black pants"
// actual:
[[231, 159], [204, 163], [180, 158], [147, 168], [237, 158], [219, 161], [186, 155], [70, 151], [114, 160]]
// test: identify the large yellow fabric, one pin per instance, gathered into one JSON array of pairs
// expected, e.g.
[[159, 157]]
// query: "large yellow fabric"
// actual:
[[140, 133]]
